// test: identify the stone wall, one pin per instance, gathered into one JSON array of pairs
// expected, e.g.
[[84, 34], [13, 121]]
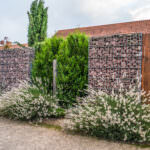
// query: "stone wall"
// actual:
[[15, 65], [113, 59]]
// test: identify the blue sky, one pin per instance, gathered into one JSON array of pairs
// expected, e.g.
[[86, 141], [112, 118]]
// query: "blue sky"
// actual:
[[65, 14]]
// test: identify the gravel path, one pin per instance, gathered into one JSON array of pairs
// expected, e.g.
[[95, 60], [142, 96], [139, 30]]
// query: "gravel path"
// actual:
[[21, 136]]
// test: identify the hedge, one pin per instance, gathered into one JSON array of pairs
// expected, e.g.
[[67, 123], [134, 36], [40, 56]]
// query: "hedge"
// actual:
[[72, 59]]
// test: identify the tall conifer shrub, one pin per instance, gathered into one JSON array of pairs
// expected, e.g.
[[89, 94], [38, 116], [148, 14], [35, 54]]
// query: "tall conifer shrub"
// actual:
[[72, 78], [37, 29], [46, 52]]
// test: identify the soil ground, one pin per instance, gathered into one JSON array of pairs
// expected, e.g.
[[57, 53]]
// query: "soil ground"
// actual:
[[15, 135]]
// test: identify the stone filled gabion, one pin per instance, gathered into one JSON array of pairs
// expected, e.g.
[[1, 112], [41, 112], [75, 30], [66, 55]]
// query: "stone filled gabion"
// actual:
[[15, 65], [113, 58]]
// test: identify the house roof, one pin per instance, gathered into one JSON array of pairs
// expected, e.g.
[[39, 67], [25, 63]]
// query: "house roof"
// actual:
[[12, 46], [142, 26]]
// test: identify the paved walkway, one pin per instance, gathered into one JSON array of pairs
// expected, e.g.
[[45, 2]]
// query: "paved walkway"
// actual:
[[21, 136]]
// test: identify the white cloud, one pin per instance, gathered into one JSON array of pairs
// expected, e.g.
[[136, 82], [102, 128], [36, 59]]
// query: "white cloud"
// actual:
[[141, 13], [106, 8], [13, 29], [65, 14]]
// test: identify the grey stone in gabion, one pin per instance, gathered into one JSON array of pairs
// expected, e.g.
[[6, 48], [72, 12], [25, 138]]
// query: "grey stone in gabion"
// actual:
[[112, 57], [14, 66]]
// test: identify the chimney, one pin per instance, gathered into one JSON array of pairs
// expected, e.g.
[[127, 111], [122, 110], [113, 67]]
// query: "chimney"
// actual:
[[5, 40]]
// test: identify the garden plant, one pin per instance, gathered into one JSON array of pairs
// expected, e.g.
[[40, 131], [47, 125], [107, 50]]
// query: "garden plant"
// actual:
[[72, 66], [29, 102], [42, 68], [124, 116], [72, 76]]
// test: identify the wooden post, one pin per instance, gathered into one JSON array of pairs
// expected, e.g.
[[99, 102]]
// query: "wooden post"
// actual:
[[54, 76]]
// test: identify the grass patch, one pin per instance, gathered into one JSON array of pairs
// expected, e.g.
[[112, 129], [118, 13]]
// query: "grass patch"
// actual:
[[50, 126], [143, 146]]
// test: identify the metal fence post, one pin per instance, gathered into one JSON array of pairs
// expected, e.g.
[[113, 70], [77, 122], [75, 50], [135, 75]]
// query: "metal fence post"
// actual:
[[54, 76]]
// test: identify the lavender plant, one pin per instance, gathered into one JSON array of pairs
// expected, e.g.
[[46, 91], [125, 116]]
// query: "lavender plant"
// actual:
[[29, 102], [113, 116]]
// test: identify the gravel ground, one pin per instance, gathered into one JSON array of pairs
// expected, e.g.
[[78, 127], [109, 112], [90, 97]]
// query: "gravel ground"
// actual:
[[21, 136]]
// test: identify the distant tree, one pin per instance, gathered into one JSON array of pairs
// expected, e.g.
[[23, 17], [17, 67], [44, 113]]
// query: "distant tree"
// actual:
[[37, 29], [19, 44]]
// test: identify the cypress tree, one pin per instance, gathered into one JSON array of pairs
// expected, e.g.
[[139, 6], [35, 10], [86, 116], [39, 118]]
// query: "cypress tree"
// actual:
[[37, 29]]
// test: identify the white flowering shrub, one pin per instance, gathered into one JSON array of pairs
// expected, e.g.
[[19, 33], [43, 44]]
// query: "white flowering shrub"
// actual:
[[29, 102], [116, 116]]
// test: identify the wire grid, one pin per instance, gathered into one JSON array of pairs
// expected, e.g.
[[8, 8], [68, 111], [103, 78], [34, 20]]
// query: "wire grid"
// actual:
[[15, 65], [110, 57]]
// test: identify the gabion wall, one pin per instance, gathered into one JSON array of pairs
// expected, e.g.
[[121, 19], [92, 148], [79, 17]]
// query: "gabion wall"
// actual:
[[114, 59], [15, 65]]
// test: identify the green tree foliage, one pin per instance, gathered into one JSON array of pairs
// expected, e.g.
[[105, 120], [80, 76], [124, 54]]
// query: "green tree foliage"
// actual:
[[72, 76], [43, 64], [37, 30], [72, 66]]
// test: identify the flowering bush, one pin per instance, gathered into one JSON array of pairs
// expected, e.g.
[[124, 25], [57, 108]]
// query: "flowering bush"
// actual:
[[116, 116], [29, 102]]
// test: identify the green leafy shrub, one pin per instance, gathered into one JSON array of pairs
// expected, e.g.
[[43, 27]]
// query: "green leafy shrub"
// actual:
[[117, 117], [72, 77], [72, 59], [28, 102], [43, 64]]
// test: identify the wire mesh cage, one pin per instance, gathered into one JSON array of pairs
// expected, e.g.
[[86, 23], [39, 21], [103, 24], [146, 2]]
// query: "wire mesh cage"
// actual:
[[113, 58]]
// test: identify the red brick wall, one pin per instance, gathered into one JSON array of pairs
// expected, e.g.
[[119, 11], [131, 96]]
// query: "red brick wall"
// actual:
[[12, 46], [105, 30]]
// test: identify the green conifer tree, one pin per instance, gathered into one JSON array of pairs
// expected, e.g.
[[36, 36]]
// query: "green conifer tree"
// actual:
[[37, 29]]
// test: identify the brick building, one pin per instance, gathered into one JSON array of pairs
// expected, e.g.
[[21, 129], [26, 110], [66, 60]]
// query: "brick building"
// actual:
[[5, 44], [111, 29]]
